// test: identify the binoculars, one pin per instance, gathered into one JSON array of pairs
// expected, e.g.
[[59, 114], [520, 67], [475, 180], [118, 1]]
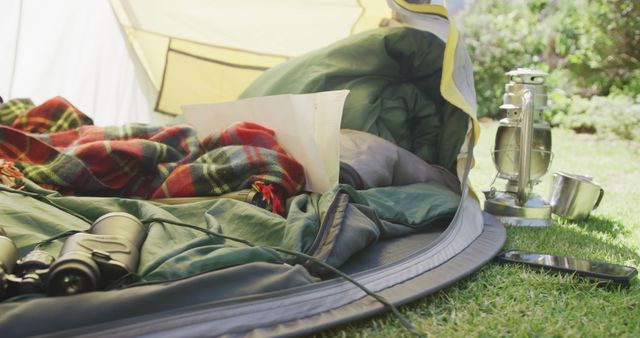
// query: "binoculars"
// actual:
[[88, 261]]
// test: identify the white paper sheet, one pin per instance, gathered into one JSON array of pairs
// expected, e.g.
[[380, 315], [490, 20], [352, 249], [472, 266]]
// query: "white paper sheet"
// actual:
[[306, 125]]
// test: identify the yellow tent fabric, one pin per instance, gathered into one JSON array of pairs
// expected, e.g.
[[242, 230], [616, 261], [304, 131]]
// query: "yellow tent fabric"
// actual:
[[206, 51], [198, 51]]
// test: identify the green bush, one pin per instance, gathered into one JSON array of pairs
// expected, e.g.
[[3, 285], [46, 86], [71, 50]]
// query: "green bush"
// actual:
[[597, 41], [500, 36], [588, 47], [615, 114]]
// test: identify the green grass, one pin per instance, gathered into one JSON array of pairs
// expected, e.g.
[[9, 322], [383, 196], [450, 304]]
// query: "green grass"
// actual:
[[509, 300]]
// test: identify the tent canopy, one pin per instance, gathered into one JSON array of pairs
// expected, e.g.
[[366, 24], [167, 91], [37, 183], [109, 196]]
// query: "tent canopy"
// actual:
[[209, 51], [121, 60], [166, 54]]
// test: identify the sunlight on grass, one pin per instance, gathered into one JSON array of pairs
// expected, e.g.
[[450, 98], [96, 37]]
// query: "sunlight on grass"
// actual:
[[509, 300], [614, 164]]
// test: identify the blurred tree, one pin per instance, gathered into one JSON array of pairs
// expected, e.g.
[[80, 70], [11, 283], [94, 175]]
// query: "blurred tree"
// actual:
[[599, 43], [500, 36], [590, 47]]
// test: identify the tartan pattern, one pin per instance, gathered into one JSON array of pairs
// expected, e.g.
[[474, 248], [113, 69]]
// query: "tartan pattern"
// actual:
[[9, 111], [142, 161], [54, 115]]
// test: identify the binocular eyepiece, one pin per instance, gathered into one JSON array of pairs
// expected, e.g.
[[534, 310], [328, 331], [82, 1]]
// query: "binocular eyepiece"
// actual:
[[87, 261]]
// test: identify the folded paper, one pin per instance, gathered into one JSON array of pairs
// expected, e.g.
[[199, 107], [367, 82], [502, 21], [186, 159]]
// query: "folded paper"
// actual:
[[306, 125]]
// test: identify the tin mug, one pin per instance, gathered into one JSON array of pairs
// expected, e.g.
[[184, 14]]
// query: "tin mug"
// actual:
[[574, 196]]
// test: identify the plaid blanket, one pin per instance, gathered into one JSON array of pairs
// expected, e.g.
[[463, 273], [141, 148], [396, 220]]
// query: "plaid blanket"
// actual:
[[56, 146]]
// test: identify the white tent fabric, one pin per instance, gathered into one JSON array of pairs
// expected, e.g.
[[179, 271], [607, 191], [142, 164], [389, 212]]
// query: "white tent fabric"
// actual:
[[75, 49], [115, 67]]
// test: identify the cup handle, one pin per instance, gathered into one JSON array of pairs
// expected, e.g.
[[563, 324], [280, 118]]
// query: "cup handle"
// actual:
[[599, 199]]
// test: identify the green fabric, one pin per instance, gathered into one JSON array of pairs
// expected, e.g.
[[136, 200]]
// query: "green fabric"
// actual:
[[354, 234], [393, 75], [421, 203], [171, 252]]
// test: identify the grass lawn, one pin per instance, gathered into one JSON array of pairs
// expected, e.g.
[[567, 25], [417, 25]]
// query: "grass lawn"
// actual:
[[508, 300]]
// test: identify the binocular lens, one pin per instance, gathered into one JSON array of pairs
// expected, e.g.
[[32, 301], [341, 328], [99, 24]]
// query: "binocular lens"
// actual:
[[73, 277], [72, 284]]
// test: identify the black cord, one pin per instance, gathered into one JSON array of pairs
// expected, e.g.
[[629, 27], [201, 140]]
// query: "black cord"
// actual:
[[58, 236], [48, 201], [125, 281], [44, 199], [403, 320], [197, 228]]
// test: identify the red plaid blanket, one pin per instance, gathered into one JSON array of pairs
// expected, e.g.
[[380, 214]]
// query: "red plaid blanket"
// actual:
[[56, 145]]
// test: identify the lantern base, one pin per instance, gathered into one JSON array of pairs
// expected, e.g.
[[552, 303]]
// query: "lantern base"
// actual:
[[504, 206]]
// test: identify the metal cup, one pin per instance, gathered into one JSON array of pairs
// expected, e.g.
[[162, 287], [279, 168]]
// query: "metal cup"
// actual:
[[574, 196]]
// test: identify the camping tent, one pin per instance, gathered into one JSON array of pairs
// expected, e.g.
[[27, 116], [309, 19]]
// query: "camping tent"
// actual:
[[204, 51]]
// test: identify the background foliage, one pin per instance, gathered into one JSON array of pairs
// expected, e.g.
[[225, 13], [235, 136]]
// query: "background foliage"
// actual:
[[590, 48]]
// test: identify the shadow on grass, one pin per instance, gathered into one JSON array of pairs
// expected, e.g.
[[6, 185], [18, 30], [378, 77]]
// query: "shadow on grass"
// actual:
[[598, 224]]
